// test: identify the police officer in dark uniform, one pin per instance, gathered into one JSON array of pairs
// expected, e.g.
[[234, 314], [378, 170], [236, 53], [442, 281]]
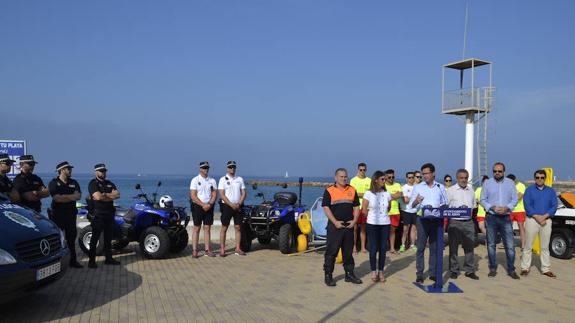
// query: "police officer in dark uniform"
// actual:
[[65, 191], [341, 206], [103, 193], [30, 187], [6, 185]]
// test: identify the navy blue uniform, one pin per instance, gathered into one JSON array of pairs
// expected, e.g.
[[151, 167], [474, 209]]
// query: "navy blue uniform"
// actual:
[[64, 214], [28, 183], [103, 220]]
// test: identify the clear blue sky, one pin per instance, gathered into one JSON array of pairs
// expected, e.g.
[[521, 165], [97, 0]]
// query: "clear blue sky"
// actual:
[[304, 86]]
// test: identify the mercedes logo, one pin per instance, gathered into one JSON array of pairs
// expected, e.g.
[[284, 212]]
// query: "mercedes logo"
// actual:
[[45, 247]]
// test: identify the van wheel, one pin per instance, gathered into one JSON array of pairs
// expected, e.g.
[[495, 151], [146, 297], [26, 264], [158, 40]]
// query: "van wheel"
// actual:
[[559, 246]]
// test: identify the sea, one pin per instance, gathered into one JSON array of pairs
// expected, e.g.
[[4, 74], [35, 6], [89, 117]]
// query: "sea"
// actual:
[[178, 187]]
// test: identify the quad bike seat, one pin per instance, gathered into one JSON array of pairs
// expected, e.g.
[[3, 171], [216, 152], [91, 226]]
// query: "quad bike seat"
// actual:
[[285, 198]]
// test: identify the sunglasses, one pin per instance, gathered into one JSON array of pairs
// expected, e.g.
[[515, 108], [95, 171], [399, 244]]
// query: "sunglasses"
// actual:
[[409, 177], [390, 176], [497, 171], [417, 176], [539, 177], [448, 180], [362, 169], [231, 166], [204, 168]]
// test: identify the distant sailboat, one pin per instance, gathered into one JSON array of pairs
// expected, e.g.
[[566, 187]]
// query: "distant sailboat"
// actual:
[[286, 174]]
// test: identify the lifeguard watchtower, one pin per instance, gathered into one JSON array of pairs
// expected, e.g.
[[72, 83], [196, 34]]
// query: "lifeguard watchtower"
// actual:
[[471, 97]]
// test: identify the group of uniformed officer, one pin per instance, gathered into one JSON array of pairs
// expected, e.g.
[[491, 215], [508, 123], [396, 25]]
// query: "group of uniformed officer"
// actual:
[[28, 190]]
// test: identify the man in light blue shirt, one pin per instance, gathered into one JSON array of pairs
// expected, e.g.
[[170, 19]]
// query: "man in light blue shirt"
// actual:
[[499, 197], [428, 193]]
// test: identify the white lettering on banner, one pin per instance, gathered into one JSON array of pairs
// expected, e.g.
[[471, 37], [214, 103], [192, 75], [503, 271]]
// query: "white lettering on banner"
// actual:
[[15, 149], [431, 213], [448, 213]]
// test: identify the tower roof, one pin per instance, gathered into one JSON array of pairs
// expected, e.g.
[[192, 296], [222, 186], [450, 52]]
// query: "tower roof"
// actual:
[[466, 63]]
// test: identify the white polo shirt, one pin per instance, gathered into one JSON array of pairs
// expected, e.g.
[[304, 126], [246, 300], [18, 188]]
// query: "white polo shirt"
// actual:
[[205, 187], [407, 190], [232, 187]]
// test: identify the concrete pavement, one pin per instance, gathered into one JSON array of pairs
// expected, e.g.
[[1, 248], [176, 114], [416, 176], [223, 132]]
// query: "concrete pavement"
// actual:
[[267, 286]]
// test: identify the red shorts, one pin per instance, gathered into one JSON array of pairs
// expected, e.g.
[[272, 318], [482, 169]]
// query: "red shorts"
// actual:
[[362, 219], [395, 219], [480, 218], [517, 216]]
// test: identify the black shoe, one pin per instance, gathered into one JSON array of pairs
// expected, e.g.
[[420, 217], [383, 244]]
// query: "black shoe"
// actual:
[[350, 278], [453, 275], [419, 279], [472, 276], [492, 273], [92, 264], [111, 261], [433, 278], [513, 275], [75, 264], [329, 281]]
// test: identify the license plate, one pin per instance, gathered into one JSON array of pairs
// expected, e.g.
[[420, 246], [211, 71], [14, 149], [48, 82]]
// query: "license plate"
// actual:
[[48, 271]]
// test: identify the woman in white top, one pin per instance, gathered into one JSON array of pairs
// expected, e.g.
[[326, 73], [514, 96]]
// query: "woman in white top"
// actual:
[[376, 204]]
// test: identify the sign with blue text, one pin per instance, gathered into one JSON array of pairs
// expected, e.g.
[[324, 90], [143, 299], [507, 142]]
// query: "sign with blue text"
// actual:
[[14, 148], [446, 213]]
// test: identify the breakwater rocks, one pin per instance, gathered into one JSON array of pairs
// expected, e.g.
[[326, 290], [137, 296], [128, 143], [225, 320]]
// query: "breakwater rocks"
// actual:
[[286, 184]]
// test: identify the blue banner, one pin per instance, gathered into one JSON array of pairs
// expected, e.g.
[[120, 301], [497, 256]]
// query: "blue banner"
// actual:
[[14, 148], [446, 213]]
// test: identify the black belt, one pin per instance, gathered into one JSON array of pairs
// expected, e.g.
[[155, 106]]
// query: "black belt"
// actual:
[[499, 215]]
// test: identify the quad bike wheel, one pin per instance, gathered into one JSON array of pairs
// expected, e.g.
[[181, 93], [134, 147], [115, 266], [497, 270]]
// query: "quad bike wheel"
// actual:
[[286, 239], [179, 244], [246, 238], [154, 242], [84, 237]]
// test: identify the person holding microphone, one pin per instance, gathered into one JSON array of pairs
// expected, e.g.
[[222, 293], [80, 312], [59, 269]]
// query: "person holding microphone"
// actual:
[[427, 194]]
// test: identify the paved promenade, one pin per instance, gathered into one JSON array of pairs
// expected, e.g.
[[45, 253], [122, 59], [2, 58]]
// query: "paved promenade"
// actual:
[[267, 286]]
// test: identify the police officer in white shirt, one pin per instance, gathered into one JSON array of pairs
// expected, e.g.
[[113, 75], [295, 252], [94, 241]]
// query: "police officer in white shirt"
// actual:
[[461, 231], [203, 193], [232, 193]]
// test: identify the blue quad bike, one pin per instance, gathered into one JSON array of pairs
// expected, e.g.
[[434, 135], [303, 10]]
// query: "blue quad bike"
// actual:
[[275, 219], [158, 228]]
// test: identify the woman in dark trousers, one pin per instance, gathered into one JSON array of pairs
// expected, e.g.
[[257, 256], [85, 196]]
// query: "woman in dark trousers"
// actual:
[[376, 204]]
